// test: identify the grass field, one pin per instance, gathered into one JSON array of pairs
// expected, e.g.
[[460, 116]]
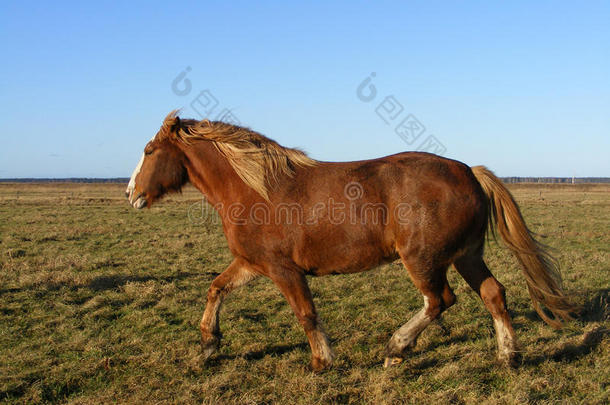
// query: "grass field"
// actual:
[[101, 303]]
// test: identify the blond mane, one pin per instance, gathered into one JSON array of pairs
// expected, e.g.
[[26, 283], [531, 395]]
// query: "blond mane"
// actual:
[[259, 161]]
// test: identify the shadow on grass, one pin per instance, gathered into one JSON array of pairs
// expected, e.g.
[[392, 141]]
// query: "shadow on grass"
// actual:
[[596, 308], [459, 338], [573, 351], [276, 350], [111, 282], [416, 366], [50, 391], [104, 283], [11, 290], [251, 315]]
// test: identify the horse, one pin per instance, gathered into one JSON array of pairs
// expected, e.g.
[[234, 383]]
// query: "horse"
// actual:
[[286, 216]]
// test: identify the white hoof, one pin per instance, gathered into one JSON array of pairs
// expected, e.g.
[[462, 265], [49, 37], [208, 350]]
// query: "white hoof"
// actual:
[[391, 361]]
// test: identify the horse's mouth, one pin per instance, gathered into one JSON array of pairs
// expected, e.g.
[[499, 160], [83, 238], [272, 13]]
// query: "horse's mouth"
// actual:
[[138, 201]]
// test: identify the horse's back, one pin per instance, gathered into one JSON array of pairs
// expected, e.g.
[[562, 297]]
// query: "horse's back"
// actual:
[[406, 203]]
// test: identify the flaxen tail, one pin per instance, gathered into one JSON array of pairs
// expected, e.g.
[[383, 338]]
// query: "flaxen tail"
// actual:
[[541, 270]]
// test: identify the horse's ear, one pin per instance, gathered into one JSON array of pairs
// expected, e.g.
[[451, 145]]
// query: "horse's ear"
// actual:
[[171, 123]]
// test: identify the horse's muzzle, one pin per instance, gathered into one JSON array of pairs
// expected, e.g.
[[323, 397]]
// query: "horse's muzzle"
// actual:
[[139, 203], [138, 200]]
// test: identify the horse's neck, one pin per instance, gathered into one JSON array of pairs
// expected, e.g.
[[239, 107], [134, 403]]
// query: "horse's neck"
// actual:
[[211, 173]]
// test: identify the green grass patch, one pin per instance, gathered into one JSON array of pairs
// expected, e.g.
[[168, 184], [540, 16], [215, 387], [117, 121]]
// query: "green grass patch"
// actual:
[[101, 303]]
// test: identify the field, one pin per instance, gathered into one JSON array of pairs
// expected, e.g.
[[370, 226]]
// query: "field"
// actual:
[[101, 303]]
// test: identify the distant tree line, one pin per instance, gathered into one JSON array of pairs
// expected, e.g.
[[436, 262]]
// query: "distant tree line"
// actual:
[[69, 180], [564, 180]]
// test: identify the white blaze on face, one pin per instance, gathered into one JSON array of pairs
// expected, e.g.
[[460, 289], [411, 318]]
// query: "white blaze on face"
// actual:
[[132, 181]]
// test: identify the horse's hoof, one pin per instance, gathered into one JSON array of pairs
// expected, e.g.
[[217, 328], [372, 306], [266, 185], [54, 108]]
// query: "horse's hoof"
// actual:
[[512, 360], [392, 361], [318, 364], [209, 346], [394, 350]]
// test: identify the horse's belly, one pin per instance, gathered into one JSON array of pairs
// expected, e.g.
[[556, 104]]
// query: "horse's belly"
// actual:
[[328, 257]]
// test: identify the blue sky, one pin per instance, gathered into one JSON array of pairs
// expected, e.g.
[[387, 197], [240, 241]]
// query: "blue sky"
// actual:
[[520, 87]]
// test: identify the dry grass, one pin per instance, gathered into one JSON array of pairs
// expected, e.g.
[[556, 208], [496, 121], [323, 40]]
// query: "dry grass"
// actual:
[[101, 303]]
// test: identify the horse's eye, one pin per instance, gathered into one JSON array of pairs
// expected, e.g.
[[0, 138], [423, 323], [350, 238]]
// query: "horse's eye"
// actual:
[[148, 151]]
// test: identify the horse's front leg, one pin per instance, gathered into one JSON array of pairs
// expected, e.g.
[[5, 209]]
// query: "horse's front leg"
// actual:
[[293, 285], [236, 275]]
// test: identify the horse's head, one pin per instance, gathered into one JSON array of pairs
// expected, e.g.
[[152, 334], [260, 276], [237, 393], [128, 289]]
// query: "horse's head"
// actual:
[[161, 168]]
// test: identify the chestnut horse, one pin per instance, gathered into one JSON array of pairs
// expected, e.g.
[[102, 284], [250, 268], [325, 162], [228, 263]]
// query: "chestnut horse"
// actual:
[[286, 216]]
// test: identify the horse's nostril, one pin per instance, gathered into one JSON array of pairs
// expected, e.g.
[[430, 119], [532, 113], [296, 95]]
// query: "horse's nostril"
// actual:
[[127, 193]]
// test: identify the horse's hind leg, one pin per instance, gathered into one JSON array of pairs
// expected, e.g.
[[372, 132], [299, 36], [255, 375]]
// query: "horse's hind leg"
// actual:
[[236, 275], [477, 275], [437, 298]]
